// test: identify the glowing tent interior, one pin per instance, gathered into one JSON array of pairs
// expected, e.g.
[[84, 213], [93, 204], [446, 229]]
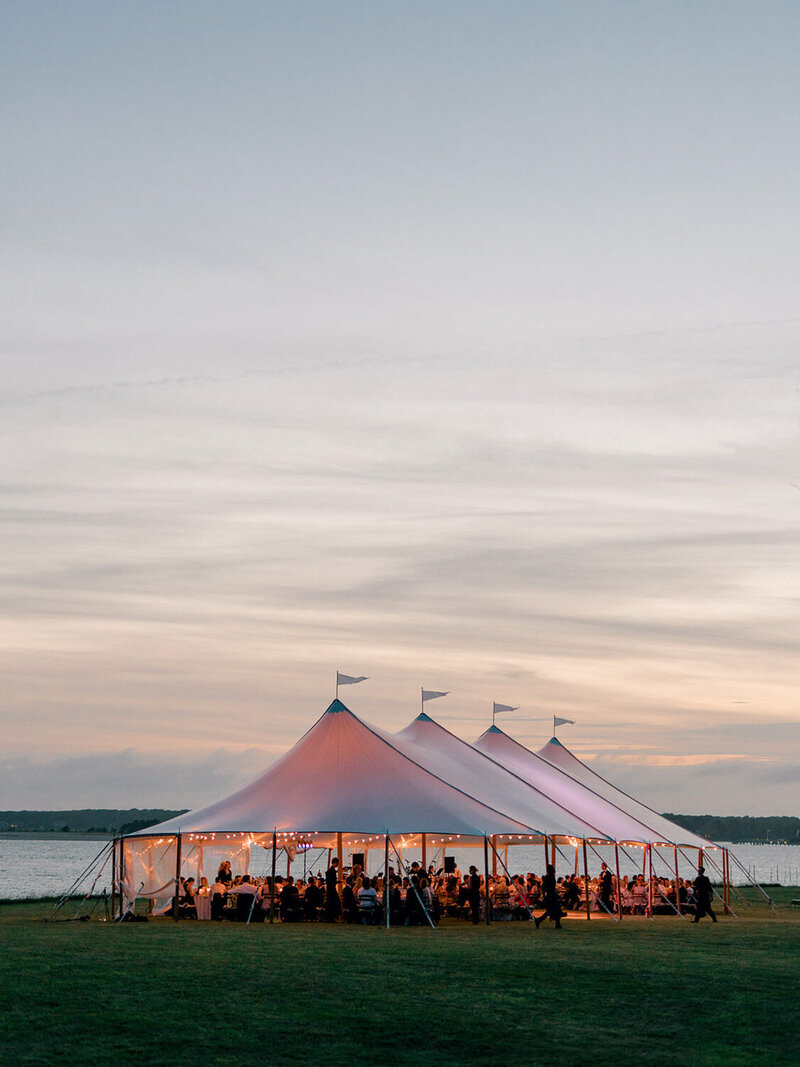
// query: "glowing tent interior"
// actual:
[[349, 786]]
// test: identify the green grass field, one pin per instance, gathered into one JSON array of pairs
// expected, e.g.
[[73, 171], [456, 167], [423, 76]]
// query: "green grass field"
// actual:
[[656, 992]]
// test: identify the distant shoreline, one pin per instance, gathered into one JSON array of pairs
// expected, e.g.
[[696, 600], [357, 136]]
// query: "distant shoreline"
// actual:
[[53, 835]]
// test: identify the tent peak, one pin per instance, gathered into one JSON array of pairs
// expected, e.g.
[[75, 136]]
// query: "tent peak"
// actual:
[[555, 741], [494, 729], [423, 717], [335, 707]]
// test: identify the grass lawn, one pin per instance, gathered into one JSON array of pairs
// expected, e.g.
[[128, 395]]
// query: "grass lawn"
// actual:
[[647, 991]]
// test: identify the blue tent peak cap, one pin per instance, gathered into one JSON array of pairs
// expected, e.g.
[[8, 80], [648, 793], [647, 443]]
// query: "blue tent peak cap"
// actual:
[[423, 717], [494, 729], [555, 741], [336, 707]]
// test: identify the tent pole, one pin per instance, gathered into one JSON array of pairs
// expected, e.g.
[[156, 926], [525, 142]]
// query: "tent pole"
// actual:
[[546, 852], [576, 858], [339, 879], [113, 878], [553, 850], [387, 889], [121, 871], [619, 883], [725, 877], [677, 887], [494, 856], [644, 860], [177, 878], [425, 854], [650, 881], [272, 885], [586, 880], [486, 876], [288, 864]]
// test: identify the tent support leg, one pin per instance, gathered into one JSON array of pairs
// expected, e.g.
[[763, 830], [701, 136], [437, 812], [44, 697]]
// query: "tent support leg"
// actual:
[[387, 888], [177, 878], [677, 887], [586, 880], [494, 856], [425, 854], [486, 878], [339, 877], [272, 884], [619, 883], [650, 882], [114, 879]]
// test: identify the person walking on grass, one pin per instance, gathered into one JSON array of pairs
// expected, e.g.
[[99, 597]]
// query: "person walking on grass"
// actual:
[[702, 897], [550, 899]]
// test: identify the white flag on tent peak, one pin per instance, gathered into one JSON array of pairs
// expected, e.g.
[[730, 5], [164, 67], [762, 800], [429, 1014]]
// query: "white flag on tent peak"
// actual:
[[562, 722], [431, 694], [346, 679], [504, 707]]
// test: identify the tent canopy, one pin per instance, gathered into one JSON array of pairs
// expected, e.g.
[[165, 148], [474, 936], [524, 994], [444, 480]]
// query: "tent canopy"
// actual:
[[661, 829], [344, 775]]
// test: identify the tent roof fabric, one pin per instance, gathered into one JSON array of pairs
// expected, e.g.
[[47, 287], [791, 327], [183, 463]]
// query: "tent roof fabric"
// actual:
[[463, 764], [616, 822], [344, 775], [661, 829]]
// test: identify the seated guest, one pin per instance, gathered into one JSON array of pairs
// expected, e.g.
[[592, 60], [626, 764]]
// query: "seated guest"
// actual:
[[368, 902], [188, 903], [349, 902], [224, 873], [245, 894], [218, 891], [290, 902], [312, 900]]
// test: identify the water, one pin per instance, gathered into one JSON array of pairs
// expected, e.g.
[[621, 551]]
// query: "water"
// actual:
[[43, 867]]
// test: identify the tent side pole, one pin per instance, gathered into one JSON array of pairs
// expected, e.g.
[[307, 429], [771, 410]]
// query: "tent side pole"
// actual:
[[575, 871], [339, 877], [725, 882], [272, 883], [425, 854], [546, 852], [586, 880], [486, 877], [113, 878], [177, 878], [387, 888], [677, 887], [494, 856], [619, 883], [650, 882], [553, 850]]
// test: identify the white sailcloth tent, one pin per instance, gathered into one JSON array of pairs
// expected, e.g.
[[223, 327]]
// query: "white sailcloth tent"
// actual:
[[349, 785], [343, 784], [555, 769]]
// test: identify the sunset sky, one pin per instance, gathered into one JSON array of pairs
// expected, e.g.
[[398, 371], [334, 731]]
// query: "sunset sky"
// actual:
[[452, 344]]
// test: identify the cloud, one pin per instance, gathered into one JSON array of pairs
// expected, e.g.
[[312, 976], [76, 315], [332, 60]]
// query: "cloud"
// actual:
[[127, 778]]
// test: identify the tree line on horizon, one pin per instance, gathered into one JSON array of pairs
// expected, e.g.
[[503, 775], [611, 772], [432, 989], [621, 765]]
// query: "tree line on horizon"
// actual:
[[772, 829]]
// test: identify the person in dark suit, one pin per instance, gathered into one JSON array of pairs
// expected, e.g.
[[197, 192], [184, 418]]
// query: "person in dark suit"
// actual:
[[606, 888], [552, 904], [474, 895], [702, 896], [333, 905]]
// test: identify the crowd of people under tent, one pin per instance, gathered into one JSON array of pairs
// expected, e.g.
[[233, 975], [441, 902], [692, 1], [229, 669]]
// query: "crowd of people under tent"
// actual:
[[424, 895]]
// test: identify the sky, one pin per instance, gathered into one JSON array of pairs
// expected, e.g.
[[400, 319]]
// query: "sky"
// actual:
[[450, 344]]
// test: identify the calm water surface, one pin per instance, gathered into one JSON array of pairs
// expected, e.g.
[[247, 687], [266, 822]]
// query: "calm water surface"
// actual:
[[44, 867]]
